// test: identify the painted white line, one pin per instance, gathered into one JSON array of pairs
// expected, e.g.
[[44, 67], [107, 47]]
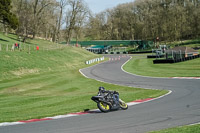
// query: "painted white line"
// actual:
[[136, 74], [132, 103], [185, 77], [62, 116], [83, 74], [194, 124], [10, 123]]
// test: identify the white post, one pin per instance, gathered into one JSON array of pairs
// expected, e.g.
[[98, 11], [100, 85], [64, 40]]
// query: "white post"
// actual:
[[0, 47]]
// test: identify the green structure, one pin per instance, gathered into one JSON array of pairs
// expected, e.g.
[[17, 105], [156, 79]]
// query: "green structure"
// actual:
[[113, 46], [99, 49], [142, 44]]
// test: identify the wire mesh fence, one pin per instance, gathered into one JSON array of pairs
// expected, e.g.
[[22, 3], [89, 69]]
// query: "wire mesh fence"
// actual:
[[175, 55]]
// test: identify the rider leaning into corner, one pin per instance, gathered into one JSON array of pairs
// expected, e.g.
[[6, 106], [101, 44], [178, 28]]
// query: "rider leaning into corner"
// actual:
[[108, 100], [103, 91]]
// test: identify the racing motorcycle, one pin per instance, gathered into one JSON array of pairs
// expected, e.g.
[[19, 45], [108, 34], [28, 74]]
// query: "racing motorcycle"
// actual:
[[109, 100]]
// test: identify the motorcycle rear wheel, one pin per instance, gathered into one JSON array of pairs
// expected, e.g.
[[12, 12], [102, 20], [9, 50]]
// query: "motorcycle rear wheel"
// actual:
[[123, 105], [104, 107]]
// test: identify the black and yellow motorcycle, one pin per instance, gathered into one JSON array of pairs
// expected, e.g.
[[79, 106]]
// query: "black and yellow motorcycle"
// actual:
[[109, 100]]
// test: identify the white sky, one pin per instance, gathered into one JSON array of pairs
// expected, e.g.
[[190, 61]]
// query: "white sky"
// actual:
[[97, 6]]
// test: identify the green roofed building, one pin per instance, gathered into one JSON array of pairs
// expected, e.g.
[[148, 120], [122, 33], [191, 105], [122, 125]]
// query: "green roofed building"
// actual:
[[99, 49]]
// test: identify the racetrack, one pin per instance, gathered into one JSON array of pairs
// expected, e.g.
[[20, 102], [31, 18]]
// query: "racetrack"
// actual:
[[181, 107]]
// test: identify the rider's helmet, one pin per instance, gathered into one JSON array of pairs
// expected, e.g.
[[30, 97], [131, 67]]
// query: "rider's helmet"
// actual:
[[101, 89]]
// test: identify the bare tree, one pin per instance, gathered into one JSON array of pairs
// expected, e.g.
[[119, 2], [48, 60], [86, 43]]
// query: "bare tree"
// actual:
[[38, 7], [74, 17], [62, 5], [142, 19]]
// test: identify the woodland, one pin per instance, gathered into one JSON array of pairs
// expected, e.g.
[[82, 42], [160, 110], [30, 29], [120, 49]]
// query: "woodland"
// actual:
[[66, 20]]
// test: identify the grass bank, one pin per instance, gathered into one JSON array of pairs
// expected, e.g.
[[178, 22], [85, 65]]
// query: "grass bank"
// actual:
[[190, 43], [48, 83], [183, 129], [140, 65]]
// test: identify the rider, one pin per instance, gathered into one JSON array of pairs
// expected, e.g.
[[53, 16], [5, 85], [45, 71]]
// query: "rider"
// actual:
[[102, 91]]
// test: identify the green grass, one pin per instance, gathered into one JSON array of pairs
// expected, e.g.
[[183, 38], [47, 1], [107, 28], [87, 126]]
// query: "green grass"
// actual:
[[189, 43], [12, 38], [6, 43], [142, 66], [183, 129], [48, 83]]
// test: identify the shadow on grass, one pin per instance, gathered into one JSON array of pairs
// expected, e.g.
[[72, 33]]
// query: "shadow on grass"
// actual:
[[188, 43], [3, 40], [18, 40]]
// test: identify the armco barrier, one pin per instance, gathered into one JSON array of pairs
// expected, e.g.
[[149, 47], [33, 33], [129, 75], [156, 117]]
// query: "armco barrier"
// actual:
[[94, 60], [158, 61]]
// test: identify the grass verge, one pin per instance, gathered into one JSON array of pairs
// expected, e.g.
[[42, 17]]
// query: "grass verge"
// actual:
[[140, 65], [183, 129]]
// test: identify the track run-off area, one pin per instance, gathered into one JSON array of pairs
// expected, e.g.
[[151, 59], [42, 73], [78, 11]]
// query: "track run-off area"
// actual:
[[180, 107]]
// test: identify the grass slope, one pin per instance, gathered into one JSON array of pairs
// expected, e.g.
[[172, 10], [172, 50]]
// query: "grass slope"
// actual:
[[140, 65], [183, 129], [48, 83], [10, 39], [189, 43]]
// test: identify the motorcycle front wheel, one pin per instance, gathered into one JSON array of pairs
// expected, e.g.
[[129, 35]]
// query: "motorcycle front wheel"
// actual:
[[123, 105], [104, 107]]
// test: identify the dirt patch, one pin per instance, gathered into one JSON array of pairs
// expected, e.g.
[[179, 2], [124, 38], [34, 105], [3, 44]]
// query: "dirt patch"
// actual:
[[10, 90], [7, 56], [24, 71]]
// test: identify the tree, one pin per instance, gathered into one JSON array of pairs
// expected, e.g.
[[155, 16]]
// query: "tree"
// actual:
[[38, 8], [35, 17], [141, 20], [74, 17], [62, 5], [147, 19], [7, 18]]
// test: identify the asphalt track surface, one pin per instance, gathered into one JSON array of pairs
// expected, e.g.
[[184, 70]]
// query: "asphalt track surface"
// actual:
[[181, 107]]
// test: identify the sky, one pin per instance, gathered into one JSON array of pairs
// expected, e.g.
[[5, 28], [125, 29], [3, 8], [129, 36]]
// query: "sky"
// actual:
[[97, 6]]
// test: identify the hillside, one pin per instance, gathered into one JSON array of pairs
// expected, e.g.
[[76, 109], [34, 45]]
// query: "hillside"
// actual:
[[22, 61], [188, 43], [40, 83], [48, 83]]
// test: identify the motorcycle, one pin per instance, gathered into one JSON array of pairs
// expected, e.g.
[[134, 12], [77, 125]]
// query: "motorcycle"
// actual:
[[108, 101]]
